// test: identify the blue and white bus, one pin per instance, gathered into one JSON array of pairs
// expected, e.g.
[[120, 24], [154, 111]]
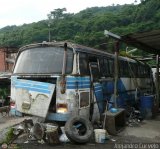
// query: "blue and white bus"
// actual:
[[55, 80]]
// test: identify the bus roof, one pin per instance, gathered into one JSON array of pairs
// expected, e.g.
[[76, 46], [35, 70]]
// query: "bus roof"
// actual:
[[78, 48]]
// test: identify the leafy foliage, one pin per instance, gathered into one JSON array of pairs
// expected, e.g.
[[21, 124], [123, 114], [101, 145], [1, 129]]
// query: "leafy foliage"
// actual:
[[87, 26]]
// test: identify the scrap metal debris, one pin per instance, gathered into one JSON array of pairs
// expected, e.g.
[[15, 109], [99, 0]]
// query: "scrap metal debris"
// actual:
[[37, 132]]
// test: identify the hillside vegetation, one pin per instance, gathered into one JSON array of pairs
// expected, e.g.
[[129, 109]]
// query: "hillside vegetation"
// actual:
[[86, 27]]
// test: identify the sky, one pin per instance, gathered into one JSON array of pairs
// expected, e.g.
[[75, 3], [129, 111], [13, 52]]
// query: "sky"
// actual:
[[18, 12]]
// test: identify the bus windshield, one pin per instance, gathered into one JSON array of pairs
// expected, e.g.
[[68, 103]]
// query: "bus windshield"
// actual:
[[43, 60]]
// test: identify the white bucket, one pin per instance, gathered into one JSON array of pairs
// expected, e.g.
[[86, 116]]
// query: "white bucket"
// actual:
[[100, 135], [51, 128]]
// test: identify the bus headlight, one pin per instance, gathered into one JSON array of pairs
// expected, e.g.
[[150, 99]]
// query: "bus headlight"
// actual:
[[62, 108]]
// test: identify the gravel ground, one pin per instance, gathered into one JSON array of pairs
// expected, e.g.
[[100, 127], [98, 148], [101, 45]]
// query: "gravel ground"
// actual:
[[8, 121], [146, 132]]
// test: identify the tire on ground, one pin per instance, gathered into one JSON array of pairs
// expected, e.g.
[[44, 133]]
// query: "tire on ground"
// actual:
[[72, 133]]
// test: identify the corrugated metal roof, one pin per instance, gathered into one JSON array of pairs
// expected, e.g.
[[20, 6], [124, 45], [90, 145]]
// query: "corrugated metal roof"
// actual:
[[147, 41]]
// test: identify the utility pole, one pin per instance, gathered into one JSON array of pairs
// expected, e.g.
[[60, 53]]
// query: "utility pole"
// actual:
[[116, 73], [49, 32], [157, 78], [49, 27], [118, 38]]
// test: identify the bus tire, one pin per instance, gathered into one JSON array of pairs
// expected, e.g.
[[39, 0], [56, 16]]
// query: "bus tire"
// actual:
[[83, 133]]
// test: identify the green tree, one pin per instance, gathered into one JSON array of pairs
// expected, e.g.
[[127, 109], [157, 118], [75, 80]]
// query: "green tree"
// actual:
[[58, 13], [87, 26]]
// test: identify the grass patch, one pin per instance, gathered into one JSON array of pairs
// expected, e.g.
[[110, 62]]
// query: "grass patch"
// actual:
[[9, 136]]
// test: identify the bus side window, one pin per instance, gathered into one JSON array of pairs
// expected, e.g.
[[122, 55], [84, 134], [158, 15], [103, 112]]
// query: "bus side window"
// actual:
[[140, 71], [126, 69], [103, 69], [133, 70], [94, 67], [111, 67], [148, 72], [94, 71], [106, 65], [136, 69], [121, 68], [143, 71], [83, 64]]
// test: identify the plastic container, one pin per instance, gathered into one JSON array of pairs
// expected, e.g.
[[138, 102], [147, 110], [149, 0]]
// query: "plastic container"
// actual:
[[110, 87], [113, 110], [100, 135], [120, 102], [52, 136], [146, 105], [63, 138], [146, 101]]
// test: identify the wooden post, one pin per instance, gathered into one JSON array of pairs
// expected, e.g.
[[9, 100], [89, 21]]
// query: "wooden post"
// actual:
[[116, 72]]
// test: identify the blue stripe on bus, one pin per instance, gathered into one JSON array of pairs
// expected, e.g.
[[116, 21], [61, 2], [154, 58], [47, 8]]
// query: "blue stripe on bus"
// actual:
[[21, 81], [41, 87], [79, 87], [79, 79], [78, 82], [34, 89]]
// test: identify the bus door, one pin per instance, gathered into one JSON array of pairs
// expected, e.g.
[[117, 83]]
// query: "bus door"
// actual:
[[97, 86]]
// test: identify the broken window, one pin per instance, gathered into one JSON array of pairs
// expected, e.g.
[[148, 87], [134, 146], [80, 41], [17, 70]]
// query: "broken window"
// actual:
[[83, 64]]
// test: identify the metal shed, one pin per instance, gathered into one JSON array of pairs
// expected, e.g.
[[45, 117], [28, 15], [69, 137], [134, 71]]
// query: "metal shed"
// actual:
[[147, 41]]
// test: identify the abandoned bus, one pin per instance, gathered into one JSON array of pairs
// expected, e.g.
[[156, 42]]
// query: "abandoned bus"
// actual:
[[56, 80]]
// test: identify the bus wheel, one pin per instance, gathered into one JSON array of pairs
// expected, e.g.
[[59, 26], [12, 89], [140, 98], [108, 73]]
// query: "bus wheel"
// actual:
[[78, 129]]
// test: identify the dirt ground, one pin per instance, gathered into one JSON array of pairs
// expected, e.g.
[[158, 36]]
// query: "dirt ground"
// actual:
[[147, 132], [8, 121]]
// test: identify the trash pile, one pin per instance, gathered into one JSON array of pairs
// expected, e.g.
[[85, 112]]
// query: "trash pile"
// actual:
[[77, 129], [134, 117], [51, 133], [39, 132]]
